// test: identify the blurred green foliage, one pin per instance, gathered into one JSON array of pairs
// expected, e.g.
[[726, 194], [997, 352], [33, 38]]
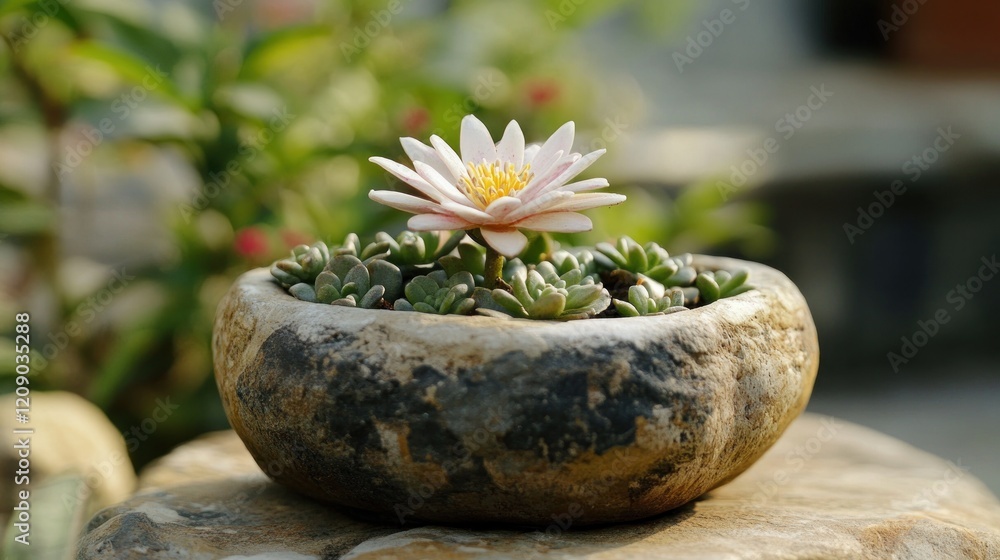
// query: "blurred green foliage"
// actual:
[[241, 128]]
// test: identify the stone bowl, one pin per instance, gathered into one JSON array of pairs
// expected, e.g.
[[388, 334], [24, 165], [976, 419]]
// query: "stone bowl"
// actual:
[[482, 420]]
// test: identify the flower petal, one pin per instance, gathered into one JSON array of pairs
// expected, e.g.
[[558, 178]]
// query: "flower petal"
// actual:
[[508, 242], [560, 141], [587, 201], [572, 171], [543, 180], [449, 157], [529, 153], [433, 222], [476, 143], [564, 222], [404, 202], [503, 206], [538, 205], [409, 177], [511, 146], [418, 151], [442, 185], [471, 215], [586, 185]]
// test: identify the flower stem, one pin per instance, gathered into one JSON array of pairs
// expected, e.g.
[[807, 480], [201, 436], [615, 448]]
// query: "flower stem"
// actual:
[[494, 267], [494, 261]]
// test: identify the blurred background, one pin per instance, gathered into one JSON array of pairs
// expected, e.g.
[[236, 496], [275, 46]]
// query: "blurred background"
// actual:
[[152, 150]]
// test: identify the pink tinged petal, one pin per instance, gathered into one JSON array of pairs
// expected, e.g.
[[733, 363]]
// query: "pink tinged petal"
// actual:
[[539, 205], [441, 184], [434, 222], [543, 167], [564, 222], [409, 177], [508, 243], [476, 143], [449, 157], [404, 202], [586, 185], [560, 141], [510, 149], [530, 152], [503, 206], [418, 151], [587, 201], [543, 180], [578, 167], [472, 215]]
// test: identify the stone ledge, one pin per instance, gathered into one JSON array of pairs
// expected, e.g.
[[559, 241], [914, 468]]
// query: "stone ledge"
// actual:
[[827, 489]]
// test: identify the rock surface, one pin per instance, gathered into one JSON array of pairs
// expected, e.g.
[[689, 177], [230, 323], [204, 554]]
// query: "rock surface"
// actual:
[[481, 419], [828, 490]]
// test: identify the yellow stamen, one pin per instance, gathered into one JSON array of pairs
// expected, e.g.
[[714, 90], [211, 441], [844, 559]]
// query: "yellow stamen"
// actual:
[[486, 182]]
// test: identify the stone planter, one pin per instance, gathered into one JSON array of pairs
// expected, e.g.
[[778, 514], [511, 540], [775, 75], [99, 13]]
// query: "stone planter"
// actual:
[[474, 419]]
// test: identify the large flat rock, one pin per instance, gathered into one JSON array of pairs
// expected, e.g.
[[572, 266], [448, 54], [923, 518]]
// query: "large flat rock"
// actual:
[[827, 489]]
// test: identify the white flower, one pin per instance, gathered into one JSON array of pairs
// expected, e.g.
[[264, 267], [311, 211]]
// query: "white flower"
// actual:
[[497, 188]]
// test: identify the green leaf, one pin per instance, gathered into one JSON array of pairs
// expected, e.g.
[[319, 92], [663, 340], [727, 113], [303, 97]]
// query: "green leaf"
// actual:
[[625, 309], [708, 287], [303, 291], [373, 296], [509, 302], [386, 274], [549, 306]]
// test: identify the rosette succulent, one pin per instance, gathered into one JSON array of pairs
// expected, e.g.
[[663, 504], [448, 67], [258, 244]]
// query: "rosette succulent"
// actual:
[[304, 265], [714, 286], [438, 294], [640, 303], [541, 293], [349, 282], [650, 261]]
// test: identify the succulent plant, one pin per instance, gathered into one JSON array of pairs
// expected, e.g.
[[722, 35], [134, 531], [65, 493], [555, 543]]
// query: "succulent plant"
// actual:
[[470, 258], [426, 247], [582, 259], [714, 286], [352, 247], [304, 265], [650, 261], [640, 303], [349, 282], [439, 294], [542, 293]]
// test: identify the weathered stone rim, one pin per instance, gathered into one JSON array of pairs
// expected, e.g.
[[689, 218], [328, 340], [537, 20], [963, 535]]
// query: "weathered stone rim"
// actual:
[[763, 279]]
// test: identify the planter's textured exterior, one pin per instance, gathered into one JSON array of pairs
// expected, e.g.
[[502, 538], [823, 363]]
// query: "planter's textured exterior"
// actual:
[[474, 419]]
